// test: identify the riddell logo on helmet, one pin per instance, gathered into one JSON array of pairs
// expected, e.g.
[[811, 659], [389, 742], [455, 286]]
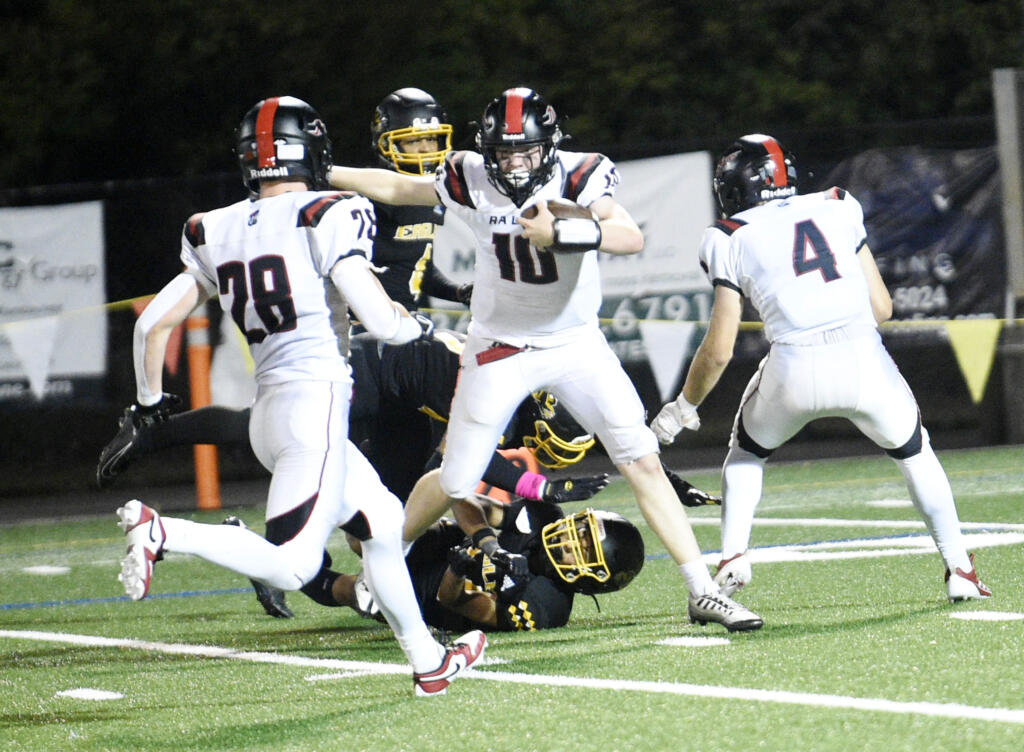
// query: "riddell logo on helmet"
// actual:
[[767, 194], [268, 172]]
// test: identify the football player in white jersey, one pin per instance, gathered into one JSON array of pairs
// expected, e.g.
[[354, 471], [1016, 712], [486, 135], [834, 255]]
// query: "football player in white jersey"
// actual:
[[803, 262], [536, 295], [268, 259]]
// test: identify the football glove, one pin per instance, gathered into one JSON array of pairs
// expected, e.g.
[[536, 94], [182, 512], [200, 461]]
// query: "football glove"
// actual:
[[461, 561], [673, 418], [689, 495], [132, 437], [506, 563], [465, 293], [426, 324], [573, 489]]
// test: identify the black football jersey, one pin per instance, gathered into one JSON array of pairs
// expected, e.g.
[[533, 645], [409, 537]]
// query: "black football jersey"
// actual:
[[400, 404], [541, 601], [404, 244]]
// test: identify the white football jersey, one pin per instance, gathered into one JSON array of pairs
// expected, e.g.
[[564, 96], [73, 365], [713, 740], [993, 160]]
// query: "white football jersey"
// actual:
[[521, 295], [268, 261], [796, 261]]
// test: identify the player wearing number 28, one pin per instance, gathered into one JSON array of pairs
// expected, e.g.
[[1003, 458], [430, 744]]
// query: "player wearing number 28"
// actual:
[[536, 295], [268, 260], [804, 264]]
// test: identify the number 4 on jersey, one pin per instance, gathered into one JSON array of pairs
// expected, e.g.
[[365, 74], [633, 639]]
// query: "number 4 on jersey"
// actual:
[[811, 252]]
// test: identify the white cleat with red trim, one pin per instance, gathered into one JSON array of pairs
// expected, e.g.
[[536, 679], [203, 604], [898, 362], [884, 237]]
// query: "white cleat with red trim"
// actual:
[[145, 534], [458, 657]]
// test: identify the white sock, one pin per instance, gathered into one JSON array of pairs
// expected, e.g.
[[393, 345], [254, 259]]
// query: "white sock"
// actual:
[[236, 548], [933, 499], [388, 579], [698, 578], [742, 480]]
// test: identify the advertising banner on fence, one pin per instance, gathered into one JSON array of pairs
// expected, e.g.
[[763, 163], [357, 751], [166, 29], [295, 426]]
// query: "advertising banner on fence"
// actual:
[[52, 291]]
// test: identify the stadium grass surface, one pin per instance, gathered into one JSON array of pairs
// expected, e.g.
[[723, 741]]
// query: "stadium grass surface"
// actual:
[[876, 626]]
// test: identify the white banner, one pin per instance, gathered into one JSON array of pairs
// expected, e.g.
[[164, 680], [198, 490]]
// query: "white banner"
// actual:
[[52, 292], [670, 198]]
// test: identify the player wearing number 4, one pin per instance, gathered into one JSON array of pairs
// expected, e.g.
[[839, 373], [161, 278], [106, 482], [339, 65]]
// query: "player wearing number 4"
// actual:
[[268, 260], [804, 264], [537, 291]]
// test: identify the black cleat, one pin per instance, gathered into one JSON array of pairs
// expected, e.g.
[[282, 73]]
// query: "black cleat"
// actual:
[[272, 599], [122, 448]]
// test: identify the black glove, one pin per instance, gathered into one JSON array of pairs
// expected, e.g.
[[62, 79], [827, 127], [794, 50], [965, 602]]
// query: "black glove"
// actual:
[[461, 561], [159, 411], [425, 324], [573, 489], [513, 565], [507, 563], [465, 293], [689, 495]]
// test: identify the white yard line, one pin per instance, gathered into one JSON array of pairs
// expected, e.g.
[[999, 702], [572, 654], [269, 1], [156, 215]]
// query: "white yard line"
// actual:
[[345, 669]]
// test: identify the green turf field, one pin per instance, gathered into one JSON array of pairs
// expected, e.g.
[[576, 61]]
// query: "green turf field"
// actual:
[[860, 649]]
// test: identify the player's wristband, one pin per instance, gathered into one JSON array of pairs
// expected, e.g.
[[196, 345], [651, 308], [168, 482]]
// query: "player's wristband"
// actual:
[[576, 235], [485, 540], [531, 486]]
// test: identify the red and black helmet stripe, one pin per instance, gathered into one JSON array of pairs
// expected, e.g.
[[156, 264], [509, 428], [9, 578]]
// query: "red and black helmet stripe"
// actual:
[[455, 179], [513, 112], [779, 178], [311, 214], [577, 179], [265, 153]]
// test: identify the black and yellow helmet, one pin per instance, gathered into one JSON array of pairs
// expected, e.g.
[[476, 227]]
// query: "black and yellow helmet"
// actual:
[[594, 551], [557, 440], [410, 114]]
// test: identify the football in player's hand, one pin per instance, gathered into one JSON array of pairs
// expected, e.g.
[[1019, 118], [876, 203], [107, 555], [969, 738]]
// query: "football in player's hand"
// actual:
[[562, 208]]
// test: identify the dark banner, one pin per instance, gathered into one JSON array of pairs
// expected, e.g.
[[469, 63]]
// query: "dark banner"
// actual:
[[935, 227]]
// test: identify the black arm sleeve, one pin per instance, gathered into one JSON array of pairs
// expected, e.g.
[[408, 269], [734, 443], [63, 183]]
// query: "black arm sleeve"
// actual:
[[436, 285], [503, 473]]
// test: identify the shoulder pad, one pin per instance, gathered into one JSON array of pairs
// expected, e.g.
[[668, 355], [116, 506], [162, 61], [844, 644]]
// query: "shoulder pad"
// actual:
[[194, 231], [728, 226], [455, 178], [576, 179], [834, 192], [311, 214]]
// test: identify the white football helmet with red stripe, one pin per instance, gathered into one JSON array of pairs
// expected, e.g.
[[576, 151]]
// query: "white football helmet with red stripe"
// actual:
[[283, 138], [519, 120], [754, 169]]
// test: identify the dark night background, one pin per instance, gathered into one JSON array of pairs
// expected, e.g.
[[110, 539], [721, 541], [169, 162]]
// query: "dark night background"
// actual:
[[136, 104]]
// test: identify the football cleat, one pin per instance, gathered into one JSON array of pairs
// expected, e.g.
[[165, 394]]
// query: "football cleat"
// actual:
[[963, 586], [145, 533], [271, 598], [733, 573], [459, 656], [118, 453], [365, 605], [721, 609]]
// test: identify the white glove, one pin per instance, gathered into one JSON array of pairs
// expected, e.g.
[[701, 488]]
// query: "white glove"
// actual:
[[673, 418]]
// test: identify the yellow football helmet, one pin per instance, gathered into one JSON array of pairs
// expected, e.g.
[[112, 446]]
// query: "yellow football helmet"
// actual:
[[405, 115], [558, 440], [594, 551]]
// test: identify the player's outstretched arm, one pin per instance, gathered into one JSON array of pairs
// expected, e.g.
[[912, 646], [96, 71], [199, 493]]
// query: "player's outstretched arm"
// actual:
[[384, 185]]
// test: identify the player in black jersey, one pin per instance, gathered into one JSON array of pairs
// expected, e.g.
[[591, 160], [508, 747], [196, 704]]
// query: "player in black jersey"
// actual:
[[411, 134], [459, 587]]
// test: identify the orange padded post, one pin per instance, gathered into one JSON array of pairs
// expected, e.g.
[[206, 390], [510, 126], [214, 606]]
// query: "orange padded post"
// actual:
[[197, 327]]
